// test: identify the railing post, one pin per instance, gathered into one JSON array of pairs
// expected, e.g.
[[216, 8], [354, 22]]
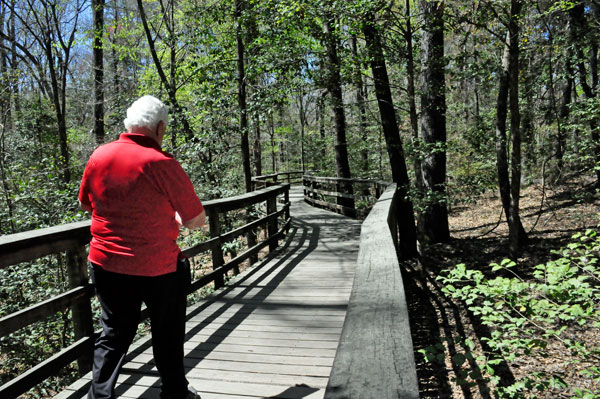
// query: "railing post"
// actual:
[[304, 182], [272, 223], [81, 309], [216, 250], [251, 235], [286, 200]]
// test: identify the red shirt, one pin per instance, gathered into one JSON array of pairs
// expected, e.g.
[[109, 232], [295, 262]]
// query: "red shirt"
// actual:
[[134, 189]]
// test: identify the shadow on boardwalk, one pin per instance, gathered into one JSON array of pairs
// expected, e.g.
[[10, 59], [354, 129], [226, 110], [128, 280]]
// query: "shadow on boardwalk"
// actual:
[[290, 308]]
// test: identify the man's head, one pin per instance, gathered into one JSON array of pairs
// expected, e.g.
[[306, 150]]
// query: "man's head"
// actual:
[[147, 115]]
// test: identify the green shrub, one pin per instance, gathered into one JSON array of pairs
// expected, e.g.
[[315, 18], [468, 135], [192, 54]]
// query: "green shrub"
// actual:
[[531, 317]]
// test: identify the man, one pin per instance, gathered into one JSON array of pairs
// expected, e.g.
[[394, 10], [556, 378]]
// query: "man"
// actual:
[[139, 196]]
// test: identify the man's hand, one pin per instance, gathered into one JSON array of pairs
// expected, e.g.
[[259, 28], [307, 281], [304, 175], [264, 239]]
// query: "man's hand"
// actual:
[[194, 223], [85, 207]]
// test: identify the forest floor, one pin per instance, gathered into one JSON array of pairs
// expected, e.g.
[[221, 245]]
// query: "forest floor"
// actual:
[[478, 238]]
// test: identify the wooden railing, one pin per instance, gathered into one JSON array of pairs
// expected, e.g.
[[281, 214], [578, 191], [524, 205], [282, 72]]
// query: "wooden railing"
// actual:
[[276, 178], [375, 357], [74, 237], [350, 197]]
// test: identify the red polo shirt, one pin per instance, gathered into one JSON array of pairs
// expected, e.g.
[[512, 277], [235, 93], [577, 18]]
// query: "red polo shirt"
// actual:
[[134, 189]]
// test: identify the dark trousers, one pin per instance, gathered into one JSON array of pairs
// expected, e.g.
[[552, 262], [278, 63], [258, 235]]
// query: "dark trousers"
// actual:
[[121, 298]]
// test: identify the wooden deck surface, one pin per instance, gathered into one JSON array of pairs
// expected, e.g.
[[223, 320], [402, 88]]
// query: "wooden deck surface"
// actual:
[[272, 334]]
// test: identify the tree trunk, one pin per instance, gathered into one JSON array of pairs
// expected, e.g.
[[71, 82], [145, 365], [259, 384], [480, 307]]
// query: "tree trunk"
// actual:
[[256, 147], [272, 137], [578, 28], [115, 59], [334, 87], [501, 145], [406, 221], [302, 128], [433, 220], [410, 89], [517, 236], [595, 37], [360, 104], [563, 111], [58, 111], [321, 118], [241, 82], [504, 180], [14, 62], [98, 11]]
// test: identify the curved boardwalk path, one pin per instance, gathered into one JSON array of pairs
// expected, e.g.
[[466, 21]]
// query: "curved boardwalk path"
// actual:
[[274, 332]]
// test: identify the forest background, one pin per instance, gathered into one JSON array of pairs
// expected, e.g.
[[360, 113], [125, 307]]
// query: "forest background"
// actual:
[[453, 100]]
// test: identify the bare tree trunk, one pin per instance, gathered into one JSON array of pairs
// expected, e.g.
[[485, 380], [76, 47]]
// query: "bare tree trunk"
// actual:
[[98, 12], [241, 80], [115, 60], [5, 183], [517, 236], [578, 27], [256, 147], [360, 104], [272, 137], [501, 144], [406, 221], [321, 118], [14, 64], [433, 220], [302, 126], [334, 87], [564, 112], [410, 88], [595, 37]]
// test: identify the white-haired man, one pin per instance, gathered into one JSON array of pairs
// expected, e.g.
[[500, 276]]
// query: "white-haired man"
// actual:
[[139, 196]]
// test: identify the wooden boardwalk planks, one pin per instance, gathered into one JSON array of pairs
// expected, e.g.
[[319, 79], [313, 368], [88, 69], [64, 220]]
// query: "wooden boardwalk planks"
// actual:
[[271, 334]]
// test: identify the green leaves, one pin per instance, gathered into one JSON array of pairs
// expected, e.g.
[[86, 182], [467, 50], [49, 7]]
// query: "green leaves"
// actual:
[[531, 318]]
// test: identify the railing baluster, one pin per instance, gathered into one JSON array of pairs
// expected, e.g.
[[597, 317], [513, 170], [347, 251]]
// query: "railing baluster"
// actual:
[[272, 224], [216, 251], [81, 309]]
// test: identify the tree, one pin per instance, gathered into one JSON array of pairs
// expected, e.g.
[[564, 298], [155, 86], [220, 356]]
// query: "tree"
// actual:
[[433, 218], [508, 97], [516, 233], [407, 230], [98, 12], [169, 83], [359, 85], [52, 25], [410, 91], [577, 28], [243, 109], [334, 86]]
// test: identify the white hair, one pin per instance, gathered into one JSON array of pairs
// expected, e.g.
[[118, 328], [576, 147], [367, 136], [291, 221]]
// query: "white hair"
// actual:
[[146, 111]]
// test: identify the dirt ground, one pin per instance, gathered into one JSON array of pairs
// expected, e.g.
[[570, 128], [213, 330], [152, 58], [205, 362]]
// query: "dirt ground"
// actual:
[[479, 236]]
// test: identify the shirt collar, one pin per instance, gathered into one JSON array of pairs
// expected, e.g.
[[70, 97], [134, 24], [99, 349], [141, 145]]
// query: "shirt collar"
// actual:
[[140, 139]]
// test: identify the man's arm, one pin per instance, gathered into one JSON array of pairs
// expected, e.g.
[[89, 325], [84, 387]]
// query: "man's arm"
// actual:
[[85, 207], [194, 223]]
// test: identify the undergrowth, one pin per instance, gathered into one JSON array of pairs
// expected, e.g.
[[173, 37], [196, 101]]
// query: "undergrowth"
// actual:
[[529, 316]]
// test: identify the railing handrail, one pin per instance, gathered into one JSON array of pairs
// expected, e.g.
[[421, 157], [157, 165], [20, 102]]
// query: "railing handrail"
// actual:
[[263, 177], [375, 357], [345, 180], [272, 179], [16, 248], [318, 192], [73, 237]]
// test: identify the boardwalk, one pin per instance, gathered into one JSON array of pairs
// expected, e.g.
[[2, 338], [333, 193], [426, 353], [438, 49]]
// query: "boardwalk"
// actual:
[[272, 334]]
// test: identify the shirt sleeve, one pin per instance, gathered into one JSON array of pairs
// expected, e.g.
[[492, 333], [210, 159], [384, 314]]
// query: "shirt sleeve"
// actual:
[[177, 186], [84, 196]]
